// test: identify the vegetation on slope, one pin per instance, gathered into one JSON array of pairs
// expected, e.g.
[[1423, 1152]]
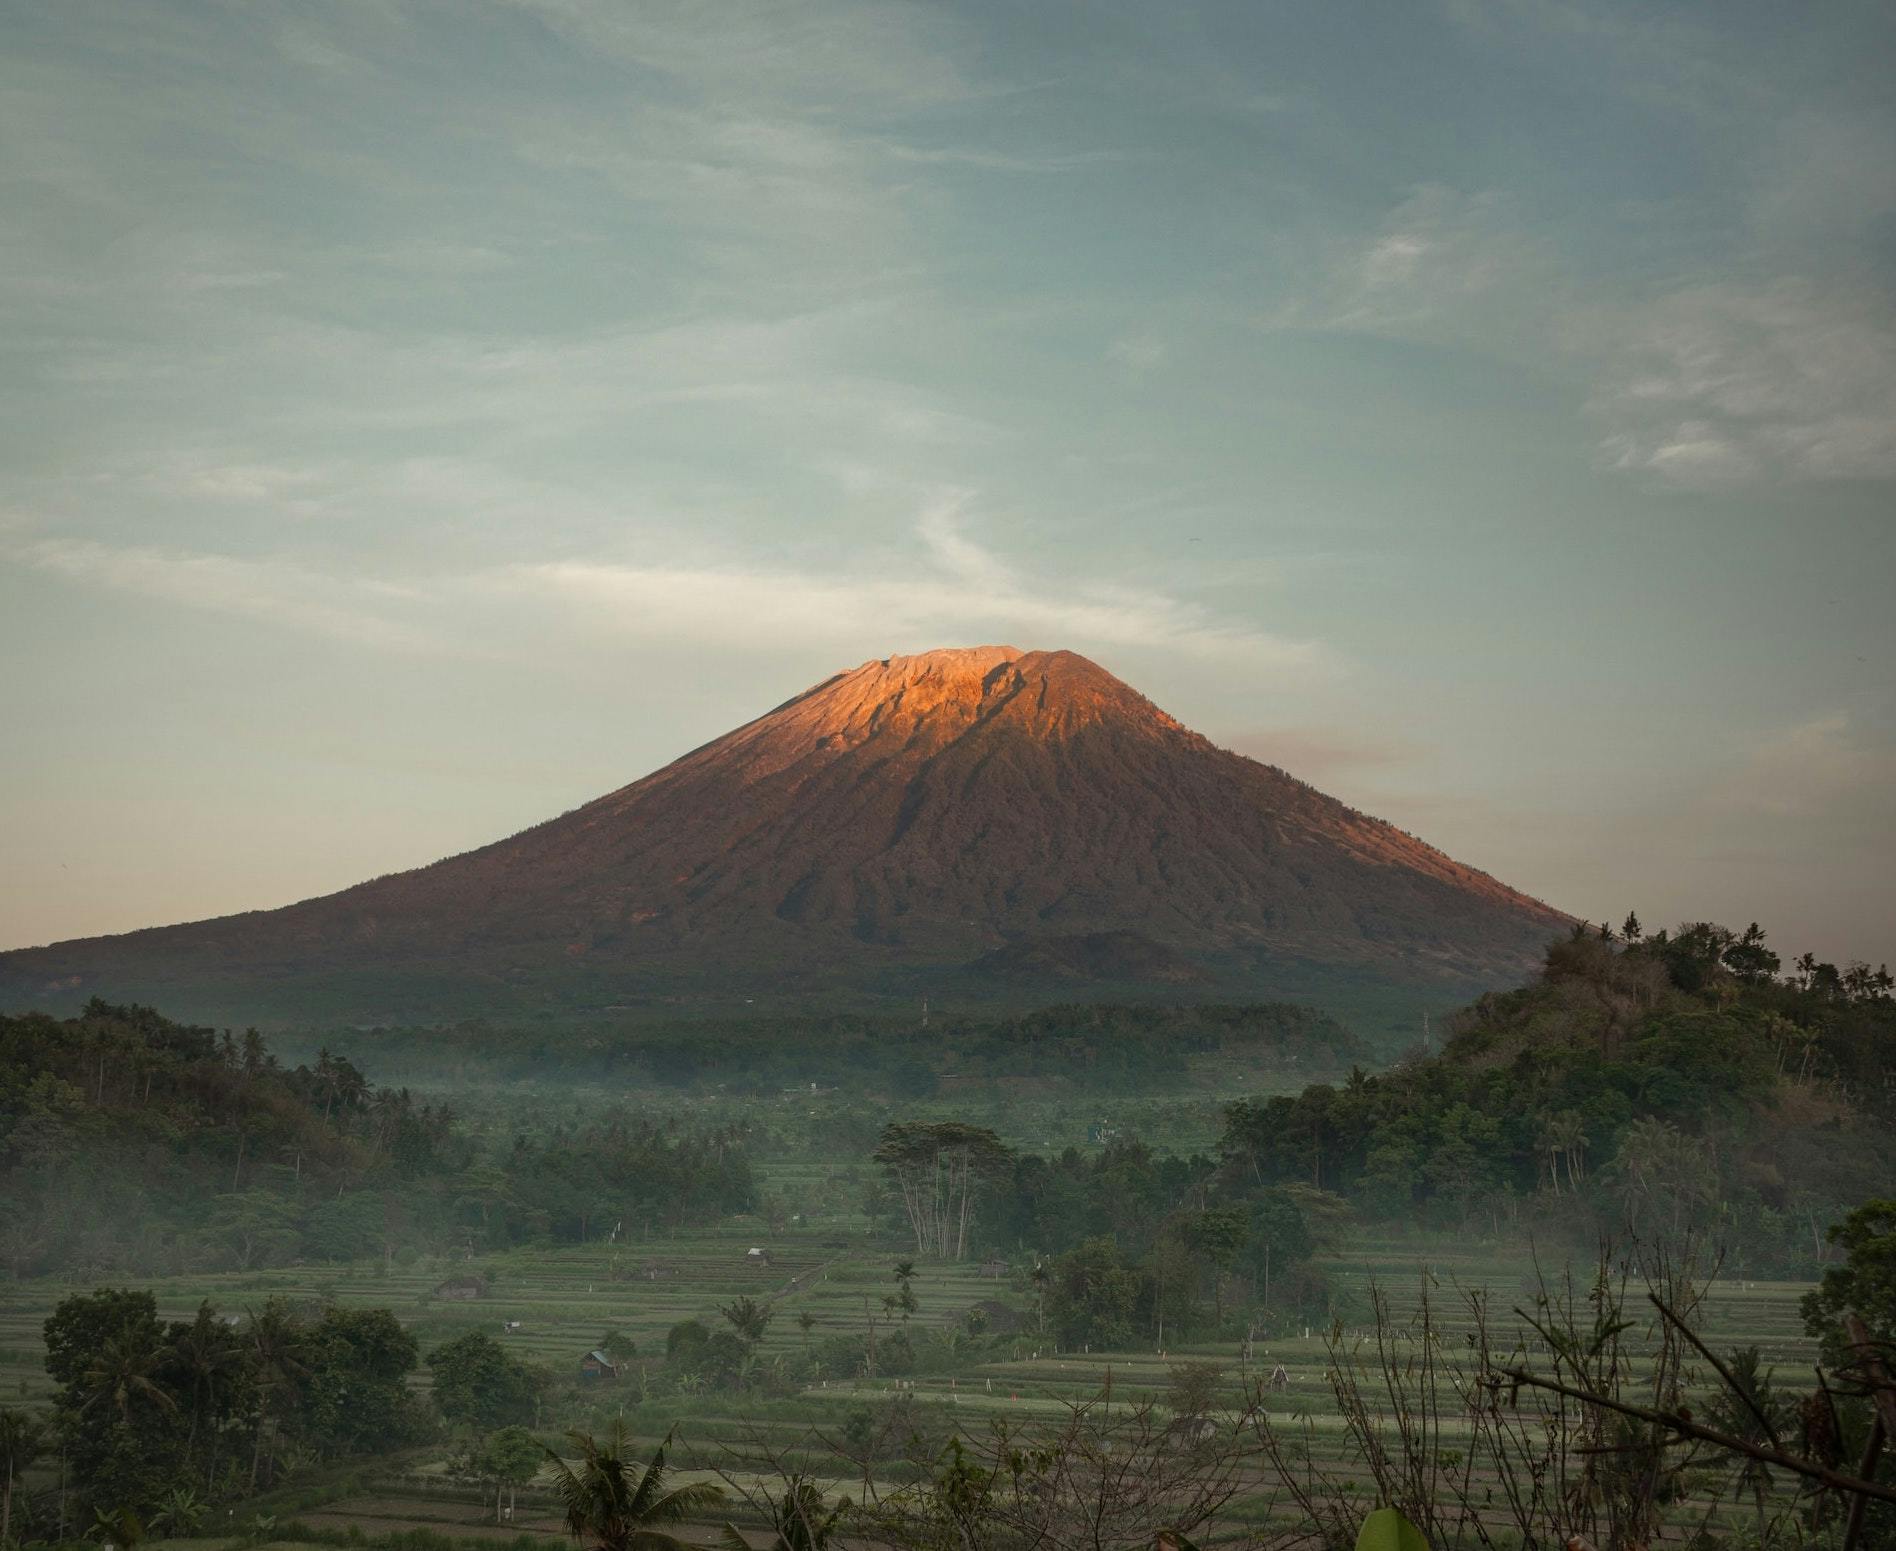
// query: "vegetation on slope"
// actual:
[[131, 1143], [1659, 1083]]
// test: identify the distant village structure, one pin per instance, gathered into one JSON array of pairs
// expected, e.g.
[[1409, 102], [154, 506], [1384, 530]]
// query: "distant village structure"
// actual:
[[461, 1289]]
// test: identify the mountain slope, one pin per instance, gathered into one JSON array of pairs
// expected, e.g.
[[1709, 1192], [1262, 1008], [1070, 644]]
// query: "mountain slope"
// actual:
[[916, 812]]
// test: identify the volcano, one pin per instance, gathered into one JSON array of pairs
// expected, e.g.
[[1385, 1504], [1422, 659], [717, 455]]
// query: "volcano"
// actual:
[[978, 817]]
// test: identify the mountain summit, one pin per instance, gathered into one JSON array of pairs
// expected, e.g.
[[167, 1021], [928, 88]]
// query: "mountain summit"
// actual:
[[973, 816]]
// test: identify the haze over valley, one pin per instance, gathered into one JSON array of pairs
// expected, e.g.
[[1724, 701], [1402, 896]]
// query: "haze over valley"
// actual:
[[883, 776]]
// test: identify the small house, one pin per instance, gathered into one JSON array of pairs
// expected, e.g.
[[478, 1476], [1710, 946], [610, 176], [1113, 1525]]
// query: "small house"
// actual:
[[461, 1289], [756, 1257], [596, 1365], [994, 1268]]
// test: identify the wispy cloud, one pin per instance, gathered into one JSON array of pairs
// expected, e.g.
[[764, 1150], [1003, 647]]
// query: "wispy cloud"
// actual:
[[1826, 768], [1438, 259], [1720, 384], [958, 592], [943, 589], [841, 53], [376, 614], [1704, 386], [1003, 161], [1139, 352]]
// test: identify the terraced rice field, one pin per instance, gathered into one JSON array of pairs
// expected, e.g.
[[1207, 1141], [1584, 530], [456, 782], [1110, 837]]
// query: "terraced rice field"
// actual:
[[563, 1300]]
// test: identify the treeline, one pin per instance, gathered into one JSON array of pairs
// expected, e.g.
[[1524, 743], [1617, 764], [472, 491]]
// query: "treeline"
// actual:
[[1656, 1086], [1123, 1247], [1108, 1049], [154, 1422], [129, 1142], [1650, 1083]]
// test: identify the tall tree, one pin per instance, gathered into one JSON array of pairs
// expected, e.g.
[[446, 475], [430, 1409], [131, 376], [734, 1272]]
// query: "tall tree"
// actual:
[[277, 1368], [939, 1169], [509, 1457], [207, 1354], [22, 1441], [354, 1395], [1864, 1285], [123, 1430]]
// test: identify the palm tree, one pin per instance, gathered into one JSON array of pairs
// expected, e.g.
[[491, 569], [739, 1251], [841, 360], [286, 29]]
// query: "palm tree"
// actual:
[[22, 1440], [1569, 1140], [121, 1372], [749, 1318], [799, 1521], [273, 1340], [1750, 1407], [206, 1351], [612, 1505], [904, 1300], [1644, 1151], [1549, 1144]]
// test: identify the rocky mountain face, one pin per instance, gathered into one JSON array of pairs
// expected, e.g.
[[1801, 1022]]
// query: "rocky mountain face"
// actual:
[[983, 813]]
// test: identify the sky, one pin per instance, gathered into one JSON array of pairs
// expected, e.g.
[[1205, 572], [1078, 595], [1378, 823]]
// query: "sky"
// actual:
[[419, 418]]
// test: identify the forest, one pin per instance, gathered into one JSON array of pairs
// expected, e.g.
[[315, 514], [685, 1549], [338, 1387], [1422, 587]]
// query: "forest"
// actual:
[[128, 1142], [1670, 1082], [241, 1282], [1102, 1047]]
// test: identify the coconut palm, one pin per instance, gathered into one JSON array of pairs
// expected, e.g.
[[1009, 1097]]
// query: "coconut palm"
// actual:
[[612, 1505], [1570, 1136], [1750, 1407], [1646, 1149], [749, 1318], [122, 1372], [22, 1441], [275, 1345], [208, 1354]]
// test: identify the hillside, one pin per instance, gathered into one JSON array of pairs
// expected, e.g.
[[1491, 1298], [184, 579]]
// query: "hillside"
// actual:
[[977, 818], [1652, 1085]]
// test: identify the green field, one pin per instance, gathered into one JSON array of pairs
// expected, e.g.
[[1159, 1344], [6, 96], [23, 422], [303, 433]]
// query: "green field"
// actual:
[[563, 1300]]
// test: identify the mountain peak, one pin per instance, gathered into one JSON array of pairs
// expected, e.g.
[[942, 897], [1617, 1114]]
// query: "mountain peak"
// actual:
[[946, 693], [907, 817]]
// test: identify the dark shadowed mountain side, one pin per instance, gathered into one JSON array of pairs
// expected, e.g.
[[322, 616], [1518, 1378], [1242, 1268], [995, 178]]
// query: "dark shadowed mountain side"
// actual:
[[973, 820]]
